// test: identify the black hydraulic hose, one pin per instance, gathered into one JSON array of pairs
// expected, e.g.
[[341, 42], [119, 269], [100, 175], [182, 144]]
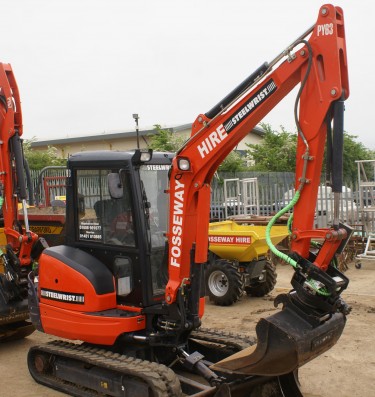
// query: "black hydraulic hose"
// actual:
[[338, 145], [303, 83], [16, 143], [241, 88], [196, 277], [329, 149]]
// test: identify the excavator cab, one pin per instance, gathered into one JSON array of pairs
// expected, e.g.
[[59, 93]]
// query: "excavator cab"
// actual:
[[124, 223]]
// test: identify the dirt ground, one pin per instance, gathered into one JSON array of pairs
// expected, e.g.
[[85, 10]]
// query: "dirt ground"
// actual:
[[347, 370]]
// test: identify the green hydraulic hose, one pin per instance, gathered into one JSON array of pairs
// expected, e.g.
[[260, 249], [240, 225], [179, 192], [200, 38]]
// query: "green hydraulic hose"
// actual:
[[281, 255], [278, 253], [289, 223]]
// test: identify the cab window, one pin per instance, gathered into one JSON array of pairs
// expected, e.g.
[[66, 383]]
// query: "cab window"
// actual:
[[107, 218]]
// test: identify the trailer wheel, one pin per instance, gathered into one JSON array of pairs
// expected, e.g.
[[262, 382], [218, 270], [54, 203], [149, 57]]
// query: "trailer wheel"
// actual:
[[224, 284], [263, 287]]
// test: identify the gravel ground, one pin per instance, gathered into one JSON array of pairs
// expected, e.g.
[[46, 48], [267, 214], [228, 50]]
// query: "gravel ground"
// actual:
[[348, 369]]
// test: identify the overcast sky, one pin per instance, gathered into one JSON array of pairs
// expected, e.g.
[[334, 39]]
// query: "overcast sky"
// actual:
[[84, 67]]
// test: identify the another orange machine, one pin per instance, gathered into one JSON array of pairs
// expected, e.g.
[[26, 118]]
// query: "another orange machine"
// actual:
[[19, 246], [135, 298]]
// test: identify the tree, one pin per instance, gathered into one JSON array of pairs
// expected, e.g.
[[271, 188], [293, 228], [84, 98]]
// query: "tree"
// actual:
[[276, 153], [165, 141], [353, 151], [234, 162], [40, 159]]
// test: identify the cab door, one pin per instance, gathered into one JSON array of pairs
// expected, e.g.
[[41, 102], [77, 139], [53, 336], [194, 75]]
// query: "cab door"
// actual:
[[106, 227]]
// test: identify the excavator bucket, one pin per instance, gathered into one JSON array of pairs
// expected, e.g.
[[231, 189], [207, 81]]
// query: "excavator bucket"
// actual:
[[286, 341]]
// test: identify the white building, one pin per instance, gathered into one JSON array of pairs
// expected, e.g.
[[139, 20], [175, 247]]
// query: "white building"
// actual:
[[125, 140]]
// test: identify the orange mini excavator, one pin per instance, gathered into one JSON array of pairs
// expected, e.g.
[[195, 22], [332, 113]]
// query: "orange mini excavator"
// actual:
[[128, 282], [18, 245]]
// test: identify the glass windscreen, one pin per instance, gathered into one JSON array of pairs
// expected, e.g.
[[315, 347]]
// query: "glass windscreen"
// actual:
[[155, 182], [106, 216]]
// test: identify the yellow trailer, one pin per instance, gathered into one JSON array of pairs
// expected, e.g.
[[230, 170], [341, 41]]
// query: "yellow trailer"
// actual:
[[238, 261]]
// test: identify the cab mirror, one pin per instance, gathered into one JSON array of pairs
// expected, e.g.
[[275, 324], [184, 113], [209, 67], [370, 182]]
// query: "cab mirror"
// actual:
[[115, 186]]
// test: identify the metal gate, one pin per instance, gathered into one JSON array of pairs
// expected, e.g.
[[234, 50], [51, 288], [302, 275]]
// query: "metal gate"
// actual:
[[241, 197], [250, 193]]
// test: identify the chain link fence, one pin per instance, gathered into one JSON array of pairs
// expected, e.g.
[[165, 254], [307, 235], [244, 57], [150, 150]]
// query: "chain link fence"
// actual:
[[275, 191]]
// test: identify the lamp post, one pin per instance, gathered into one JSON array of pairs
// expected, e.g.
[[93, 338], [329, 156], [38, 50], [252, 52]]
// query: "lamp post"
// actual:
[[136, 118]]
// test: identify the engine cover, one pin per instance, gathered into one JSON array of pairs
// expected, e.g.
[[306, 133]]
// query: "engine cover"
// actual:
[[75, 280]]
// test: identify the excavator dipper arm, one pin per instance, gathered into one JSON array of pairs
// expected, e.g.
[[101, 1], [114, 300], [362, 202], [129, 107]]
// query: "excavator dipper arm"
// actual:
[[316, 61]]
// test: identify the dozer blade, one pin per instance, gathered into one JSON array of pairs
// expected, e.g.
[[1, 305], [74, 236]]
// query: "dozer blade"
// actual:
[[14, 319], [15, 331], [286, 341]]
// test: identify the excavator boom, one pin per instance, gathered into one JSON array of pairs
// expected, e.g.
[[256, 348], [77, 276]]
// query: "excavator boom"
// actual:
[[319, 64]]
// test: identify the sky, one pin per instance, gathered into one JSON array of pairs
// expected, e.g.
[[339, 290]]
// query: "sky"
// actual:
[[84, 67]]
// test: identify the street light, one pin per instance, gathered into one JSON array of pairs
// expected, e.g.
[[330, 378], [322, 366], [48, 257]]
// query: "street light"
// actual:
[[136, 118]]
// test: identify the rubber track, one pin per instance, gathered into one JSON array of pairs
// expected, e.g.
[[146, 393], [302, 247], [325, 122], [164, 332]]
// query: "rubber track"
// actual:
[[162, 380], [231, 340]]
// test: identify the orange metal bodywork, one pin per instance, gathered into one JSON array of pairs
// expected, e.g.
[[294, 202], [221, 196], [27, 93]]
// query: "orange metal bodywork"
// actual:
[[75, 325], [71, 281], [86, 320], [211, 142]]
